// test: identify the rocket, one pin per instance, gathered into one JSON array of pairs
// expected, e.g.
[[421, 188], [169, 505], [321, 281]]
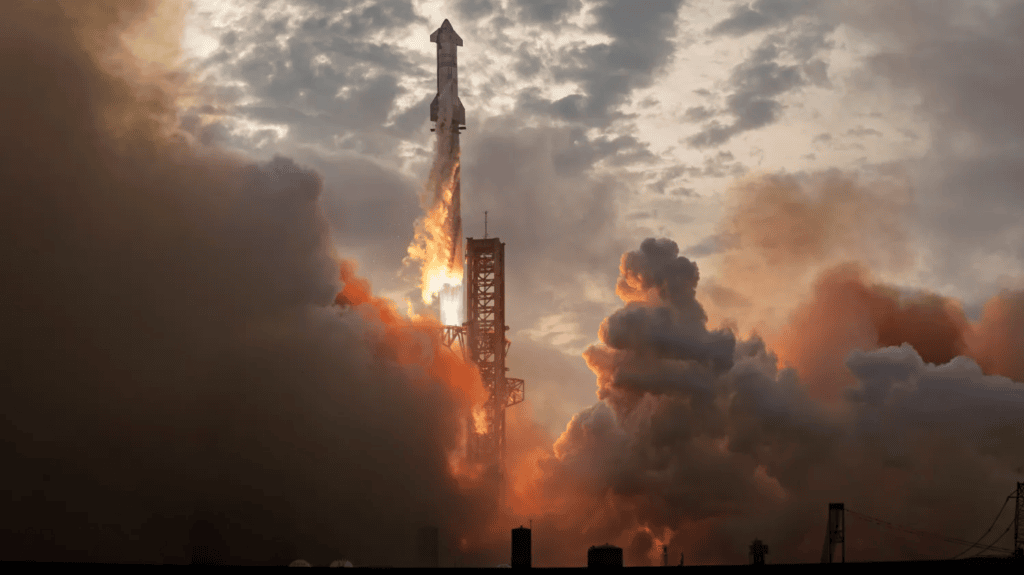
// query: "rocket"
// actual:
[[446, 104], [449, 118]]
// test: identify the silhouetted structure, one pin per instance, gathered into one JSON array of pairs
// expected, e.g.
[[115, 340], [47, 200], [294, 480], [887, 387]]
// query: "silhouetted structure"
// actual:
[[1018, 518], [664, 555], [487, 347], [522, 551], [757, 552], [604, 556], [429, 547], [836, 534]]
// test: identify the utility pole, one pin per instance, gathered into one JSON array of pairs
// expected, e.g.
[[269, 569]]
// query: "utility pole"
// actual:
[[836, 534]]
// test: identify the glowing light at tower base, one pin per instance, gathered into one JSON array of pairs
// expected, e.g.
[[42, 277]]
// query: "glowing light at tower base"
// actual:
[[452, 298]]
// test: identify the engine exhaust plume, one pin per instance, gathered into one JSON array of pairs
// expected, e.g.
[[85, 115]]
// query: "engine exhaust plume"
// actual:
[[437, 245]]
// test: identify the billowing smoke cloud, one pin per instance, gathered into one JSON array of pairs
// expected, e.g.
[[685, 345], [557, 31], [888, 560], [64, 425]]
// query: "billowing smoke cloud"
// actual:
[[181, 364], [701, 442], [997, 340], [799, 267], [780, 231], [847, 311]]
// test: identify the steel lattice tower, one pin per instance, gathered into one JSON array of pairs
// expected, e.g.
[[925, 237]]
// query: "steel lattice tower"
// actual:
[[836, 534], [487, 347]]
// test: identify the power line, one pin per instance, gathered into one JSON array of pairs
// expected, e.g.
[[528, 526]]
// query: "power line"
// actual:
[[1005, 531], [978, 542], [914, 531]]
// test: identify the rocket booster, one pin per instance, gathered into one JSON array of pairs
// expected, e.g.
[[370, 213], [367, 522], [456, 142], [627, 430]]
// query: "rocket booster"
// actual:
[[446, 104]]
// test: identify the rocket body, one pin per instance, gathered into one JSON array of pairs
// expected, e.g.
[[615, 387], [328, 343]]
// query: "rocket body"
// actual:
[[446, 104], [449, 118]]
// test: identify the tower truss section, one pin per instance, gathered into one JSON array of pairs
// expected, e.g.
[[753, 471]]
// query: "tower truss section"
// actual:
[[487, 347]]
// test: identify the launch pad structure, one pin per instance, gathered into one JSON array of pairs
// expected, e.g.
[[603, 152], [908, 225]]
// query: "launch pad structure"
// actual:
[[482, 341], [486, 344], [482, 337]]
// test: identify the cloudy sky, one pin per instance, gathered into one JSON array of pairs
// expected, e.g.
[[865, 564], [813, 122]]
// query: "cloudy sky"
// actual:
[[592, 125], [760, 256]]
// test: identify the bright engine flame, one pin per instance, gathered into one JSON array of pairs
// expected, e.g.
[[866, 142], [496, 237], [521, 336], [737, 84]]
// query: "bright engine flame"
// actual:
[[480, 420], [435, 248], [437, 244], [452, 304]]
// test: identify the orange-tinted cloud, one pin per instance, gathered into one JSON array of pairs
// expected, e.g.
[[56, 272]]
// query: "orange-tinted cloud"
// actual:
[[705, 455]]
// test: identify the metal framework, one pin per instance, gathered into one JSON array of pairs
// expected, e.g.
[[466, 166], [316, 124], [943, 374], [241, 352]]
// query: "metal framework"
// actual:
[[836, 534], [757, 552], [451, 334], [482, 342], [486, 345], [1018, 517]]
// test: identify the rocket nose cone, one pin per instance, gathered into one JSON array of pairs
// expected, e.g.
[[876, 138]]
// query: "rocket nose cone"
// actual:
[[446, 30]]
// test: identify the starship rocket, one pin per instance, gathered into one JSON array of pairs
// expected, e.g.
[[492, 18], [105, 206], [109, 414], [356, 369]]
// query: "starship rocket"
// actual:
[[446, 103], [449, 118]]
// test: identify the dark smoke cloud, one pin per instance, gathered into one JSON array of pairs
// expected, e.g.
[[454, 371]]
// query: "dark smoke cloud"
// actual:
[[707, 456], [176, 371]]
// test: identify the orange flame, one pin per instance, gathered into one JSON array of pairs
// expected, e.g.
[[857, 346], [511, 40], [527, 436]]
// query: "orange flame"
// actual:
[[480, 420], [438, 243], [416, 341]]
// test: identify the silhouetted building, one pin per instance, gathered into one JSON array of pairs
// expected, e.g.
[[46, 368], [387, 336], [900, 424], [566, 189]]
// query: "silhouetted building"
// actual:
[[604, 556], [429, 547], [757, 552], [522, 552]]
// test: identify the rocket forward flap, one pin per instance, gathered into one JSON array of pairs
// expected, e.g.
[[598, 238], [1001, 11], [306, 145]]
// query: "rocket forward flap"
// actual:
[[446, 33]]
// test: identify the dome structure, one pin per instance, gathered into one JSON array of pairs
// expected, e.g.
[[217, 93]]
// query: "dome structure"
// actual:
[[300, 563], [341, 563]]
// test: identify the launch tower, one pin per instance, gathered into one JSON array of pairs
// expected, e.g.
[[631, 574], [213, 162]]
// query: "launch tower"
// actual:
[[486, 345], [482, 337]]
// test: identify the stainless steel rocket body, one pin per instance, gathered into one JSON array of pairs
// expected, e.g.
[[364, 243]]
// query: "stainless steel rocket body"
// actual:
[[446, 105]]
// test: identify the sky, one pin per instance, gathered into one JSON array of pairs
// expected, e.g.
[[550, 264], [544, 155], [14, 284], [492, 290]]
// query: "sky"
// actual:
[[760, 256], [594, 125]]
